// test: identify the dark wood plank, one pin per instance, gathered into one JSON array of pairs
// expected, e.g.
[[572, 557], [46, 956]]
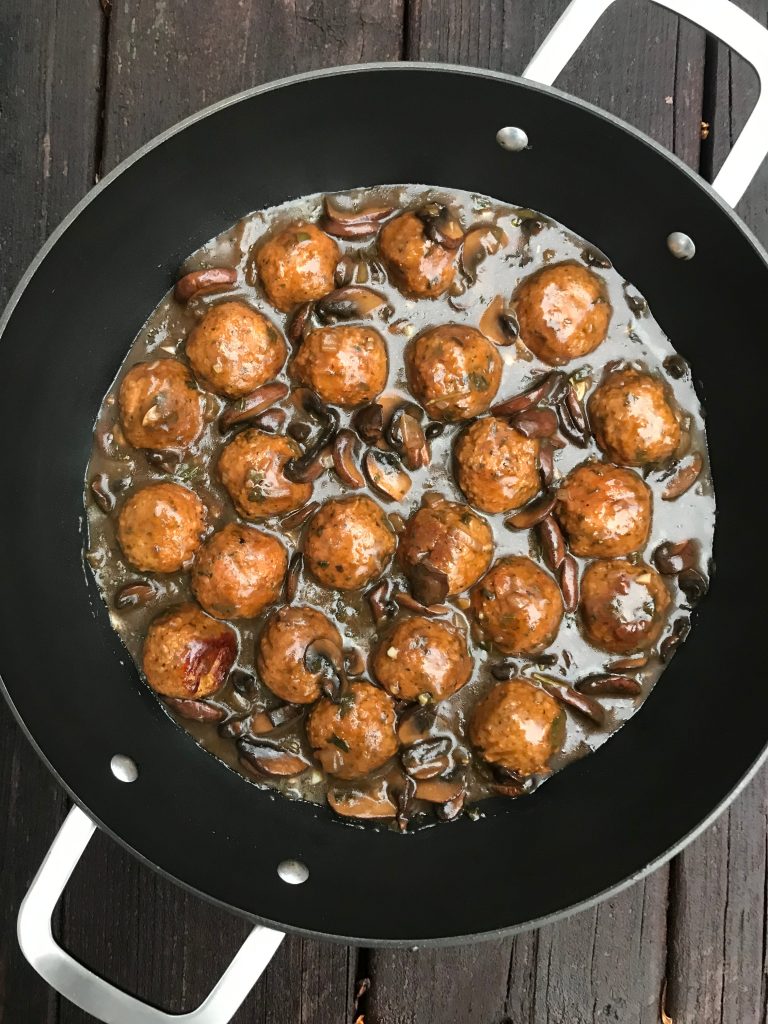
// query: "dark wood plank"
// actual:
[[717, 969], [50, 59], [606, 964], [164, 62]]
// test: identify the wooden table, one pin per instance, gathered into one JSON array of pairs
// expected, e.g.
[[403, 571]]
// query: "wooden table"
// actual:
[[82, 85]]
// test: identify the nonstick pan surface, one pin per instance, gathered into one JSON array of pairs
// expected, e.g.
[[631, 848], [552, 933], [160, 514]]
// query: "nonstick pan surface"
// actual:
[[591, 829]]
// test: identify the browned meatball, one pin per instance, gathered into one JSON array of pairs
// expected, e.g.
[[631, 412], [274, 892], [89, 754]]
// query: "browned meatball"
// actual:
[[187, 654], [605, 510], [418, 266], [349, 543], [563, 312], [422, 655], [496, 467], [518, 606], [518, 726], [454, 371], [356, 736], [238, 572], [346, 365], [251, 469], [450, 537], [160, 406], [235, 349], [160, 527], [633, 419], [297, 265], [622, 605], [280, 652]]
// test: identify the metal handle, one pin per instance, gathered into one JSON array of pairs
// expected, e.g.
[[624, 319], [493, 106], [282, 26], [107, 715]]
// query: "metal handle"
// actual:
[[720, 18], [93, 994]]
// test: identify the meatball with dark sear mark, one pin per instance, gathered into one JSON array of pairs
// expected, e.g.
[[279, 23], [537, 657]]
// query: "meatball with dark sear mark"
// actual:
[[251, 468], [349, 543], [160, 527], [419, 267], [454, 371], [497, 468], [422, 656], [297, 265], [518, 726], [187, 653], [452, 539], [563, 312], [160, 405], [345, 364], [355, 736], [280, 652], [605, 510], [235, 349], [238, 572], [622, 605], [518, 606], [633, 419]]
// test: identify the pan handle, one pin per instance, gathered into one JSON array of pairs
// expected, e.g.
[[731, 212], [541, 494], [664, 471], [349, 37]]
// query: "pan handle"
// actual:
[[91, 993], [720, 18]]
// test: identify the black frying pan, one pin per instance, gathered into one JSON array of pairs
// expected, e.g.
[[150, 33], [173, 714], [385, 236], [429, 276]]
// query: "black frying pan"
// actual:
[[593, 828]]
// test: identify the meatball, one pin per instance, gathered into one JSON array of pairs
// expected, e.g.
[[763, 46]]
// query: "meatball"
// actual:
[[518, 606], [454, 371], [633, 419], [238, 572], [563, 312], [187, 654], [160, 527], [497, 468], [356, 736], [419, 267], [235, 349], [345, 365], [251, 469], [160, 406], [297, 265], [422, 655], [349, 543], [605, 510], [622, 605], [518, 727], [450, 537], [280, 652]]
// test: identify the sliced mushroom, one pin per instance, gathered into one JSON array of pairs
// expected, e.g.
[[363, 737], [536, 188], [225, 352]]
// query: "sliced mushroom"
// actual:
[[344, 447], [552, 542], [270, 759], [566, 694], [352, 302], [248, 408], [135, 595], [386, 475], [368, 421], [102, 493], [670, 558], [535, 422], [272, 421], [345, 271], [296, 519], [284, 714], [166, 460], [233, 728], [378, 600], [451, 808], [568, 576], [243, 683], [352, 223], [428, 583], [610, 686], [439, 791], [204, 282], [292, 577], [628, 664], [427, 759], [372, 802], [504, 670], [196, 710], [258, 724], [418, 721], [406, 435], [546, 462], [354, 661], [499, 324], [680, 630], [321, 653], [539, 391], [405, 600], [685, 477], [299, 323], [480, 242], [307, 467], [532, 513], [693, 584], [441, 225], [575, 434]]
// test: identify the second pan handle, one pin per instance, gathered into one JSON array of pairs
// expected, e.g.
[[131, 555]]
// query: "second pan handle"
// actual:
[[720, 18]]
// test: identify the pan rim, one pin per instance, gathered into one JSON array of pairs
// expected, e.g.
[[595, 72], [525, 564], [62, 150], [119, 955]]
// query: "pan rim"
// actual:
[[134, 157]]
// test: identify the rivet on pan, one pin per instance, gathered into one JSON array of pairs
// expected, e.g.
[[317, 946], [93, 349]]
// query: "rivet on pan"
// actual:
[[681, 245], [293, 871], [124, 768], [513, 139]]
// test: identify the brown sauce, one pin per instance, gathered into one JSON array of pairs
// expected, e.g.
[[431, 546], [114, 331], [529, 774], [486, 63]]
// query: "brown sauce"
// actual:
[[633, 337]]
